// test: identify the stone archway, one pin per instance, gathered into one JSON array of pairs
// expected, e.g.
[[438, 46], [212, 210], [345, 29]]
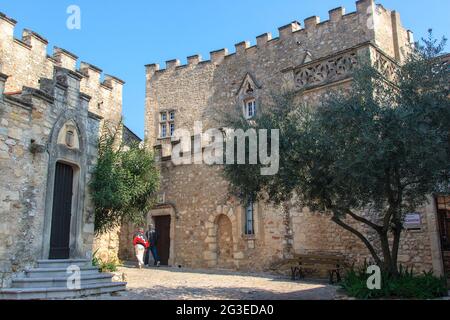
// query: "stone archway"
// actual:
[[224, 238], [67, 144], [218, 223]]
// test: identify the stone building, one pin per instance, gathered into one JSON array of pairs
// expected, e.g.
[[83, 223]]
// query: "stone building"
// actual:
[[51, 114], [199, 223]]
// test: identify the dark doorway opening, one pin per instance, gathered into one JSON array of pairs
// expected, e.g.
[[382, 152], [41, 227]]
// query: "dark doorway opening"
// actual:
[[162, 227], [62, 212], [443, 211]]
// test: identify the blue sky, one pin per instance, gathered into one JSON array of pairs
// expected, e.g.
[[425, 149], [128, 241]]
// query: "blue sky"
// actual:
[[122, 36]]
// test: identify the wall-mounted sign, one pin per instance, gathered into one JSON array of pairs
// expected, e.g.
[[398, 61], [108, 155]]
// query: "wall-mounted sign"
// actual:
[[413, 221]]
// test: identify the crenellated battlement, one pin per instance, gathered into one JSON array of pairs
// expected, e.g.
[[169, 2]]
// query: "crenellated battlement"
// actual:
[[296, 32], [286, 32], [26, 61], [318, 55]]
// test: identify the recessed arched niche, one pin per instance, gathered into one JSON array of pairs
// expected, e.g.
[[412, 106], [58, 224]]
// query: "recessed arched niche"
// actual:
[[68, 135]]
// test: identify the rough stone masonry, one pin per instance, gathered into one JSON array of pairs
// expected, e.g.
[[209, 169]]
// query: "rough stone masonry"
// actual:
[[208, 227], [50, 113]]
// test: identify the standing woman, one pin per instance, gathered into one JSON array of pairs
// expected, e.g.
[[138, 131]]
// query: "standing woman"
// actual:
[[140, 245]]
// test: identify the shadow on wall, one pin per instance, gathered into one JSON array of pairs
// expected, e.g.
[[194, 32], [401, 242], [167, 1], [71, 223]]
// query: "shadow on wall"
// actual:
[[126, 249]]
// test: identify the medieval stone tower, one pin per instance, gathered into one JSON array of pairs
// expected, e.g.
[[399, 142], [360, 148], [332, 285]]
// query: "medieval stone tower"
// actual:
[[201, 225], [51, 114]]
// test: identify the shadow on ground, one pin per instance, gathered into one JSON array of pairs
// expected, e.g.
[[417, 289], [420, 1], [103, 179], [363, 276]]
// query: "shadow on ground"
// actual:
[[264, 275], [187, 284], [228, 293]]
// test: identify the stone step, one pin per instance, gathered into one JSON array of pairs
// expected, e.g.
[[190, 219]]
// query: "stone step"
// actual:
[[63, 263], [55, 272], [59, 282], [60, 293]]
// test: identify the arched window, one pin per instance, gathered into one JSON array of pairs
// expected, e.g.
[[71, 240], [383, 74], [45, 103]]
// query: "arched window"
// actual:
[[249, 219]]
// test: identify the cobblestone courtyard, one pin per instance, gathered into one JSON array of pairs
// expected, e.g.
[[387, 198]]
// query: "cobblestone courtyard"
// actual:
[[186, 284]]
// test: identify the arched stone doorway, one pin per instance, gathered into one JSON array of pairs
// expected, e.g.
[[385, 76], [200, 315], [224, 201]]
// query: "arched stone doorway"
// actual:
[[66, 187], [224, 237], [222, 248]]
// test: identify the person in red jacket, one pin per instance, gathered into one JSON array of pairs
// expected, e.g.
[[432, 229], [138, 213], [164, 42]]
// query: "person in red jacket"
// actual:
[[140, 245]]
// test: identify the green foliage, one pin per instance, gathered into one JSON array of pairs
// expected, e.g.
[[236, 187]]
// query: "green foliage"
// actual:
[[379, 146], [124, 183], [96, 262], [282, 113], [108, 266], [406, 285]]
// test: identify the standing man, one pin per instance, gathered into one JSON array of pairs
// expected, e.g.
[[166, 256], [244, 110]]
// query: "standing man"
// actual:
[[148, 250], [152, 238], [140, 244]]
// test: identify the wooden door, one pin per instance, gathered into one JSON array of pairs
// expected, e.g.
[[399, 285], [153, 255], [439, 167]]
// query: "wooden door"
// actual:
[[162, 227], [62, 212], [443, 205]]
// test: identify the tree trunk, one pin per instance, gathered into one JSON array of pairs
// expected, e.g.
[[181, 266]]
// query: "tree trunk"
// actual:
[[397, 231], [369, 246], [390, 257], [288, 251], [388, 264]]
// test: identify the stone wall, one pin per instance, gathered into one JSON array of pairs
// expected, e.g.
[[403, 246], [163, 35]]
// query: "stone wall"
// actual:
[[199, 88], [199, 194], [41, 92], [202, 207], [316, 58], [30, 124], [25, 61]]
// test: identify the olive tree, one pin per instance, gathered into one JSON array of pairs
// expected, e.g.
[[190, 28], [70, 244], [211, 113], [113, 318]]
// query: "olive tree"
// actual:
[[368, 155], [124, 182]]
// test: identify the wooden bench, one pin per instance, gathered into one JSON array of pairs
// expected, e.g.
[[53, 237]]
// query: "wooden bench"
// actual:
[[332, 265]]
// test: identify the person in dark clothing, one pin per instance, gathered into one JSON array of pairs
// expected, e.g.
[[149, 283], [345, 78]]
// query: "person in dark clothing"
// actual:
[[152, 237]]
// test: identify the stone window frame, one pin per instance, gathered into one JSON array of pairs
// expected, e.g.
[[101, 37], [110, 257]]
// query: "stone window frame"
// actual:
[[246, 109], [163, 130], [249, 91], [166, 124], [256, 215], [249, 230]]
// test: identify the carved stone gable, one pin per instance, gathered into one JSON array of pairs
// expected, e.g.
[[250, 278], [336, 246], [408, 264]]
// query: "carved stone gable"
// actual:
[[325, 71], [248, 86]]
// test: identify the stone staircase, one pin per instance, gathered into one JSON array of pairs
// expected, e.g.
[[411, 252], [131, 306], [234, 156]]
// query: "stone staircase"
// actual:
[[49, 281]]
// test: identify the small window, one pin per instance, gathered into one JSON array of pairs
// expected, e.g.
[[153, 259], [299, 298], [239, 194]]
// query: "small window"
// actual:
[[250, 109], [163, 130], [163, 116], [172, 129], [172, 116], [249, 219]]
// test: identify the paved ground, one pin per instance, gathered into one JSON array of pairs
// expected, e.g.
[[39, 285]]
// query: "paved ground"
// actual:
[[185, 284]]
